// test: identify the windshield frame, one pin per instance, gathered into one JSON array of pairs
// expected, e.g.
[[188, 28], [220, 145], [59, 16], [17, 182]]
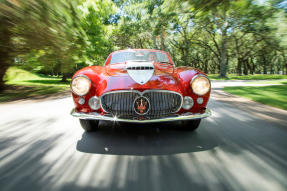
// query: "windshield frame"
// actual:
[[133, 50]]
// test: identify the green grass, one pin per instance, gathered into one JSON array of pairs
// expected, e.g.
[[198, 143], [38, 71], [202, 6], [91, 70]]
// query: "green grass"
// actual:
[[216, 77], [14, 74], [271, 95], [17, 76], [249, 77], [284, 81], [23, 84]]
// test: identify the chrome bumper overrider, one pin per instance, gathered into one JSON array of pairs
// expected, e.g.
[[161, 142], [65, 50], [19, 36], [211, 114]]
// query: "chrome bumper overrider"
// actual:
[[184, 116]]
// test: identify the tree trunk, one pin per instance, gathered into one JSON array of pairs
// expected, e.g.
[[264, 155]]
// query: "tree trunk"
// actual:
[[271, 69], [184, 57], [264, 65], [245, 70], [162, 46], [64, 78], [285, 61], [4, 65], [5, 50], [223, 56], [264, 69], [3, 70], [205, 66], [239, 65], [252, 68], [140, 44], [245, 67], [154, 42]]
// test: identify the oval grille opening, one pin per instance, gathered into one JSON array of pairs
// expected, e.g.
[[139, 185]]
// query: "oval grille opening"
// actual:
[[121, 103]]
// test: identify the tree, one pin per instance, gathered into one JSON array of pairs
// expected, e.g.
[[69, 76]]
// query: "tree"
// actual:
[[70, 31]]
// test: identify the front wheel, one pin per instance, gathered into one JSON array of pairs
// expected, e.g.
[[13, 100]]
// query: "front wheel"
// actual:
[[190, 125], [89, 125]]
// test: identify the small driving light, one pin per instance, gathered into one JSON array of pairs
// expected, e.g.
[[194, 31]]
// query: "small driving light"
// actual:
[[199, 100], [81, 101], [187, 103], [94, 103]]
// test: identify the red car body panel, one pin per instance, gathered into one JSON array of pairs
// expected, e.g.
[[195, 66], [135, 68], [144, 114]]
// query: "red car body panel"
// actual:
[[115, 77]]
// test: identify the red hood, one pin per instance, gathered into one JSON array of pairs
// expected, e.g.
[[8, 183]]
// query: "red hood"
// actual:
[[117, 78]]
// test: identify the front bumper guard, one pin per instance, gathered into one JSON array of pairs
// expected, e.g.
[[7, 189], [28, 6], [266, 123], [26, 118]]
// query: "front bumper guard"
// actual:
[[143, 119]]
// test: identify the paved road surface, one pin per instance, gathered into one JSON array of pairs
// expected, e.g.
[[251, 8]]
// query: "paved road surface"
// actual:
[[243, 146]]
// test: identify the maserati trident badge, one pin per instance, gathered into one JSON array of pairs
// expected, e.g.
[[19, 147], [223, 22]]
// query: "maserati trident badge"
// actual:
[[141, 105]]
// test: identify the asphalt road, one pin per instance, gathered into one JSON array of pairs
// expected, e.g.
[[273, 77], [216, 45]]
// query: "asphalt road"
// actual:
[[243, 146]]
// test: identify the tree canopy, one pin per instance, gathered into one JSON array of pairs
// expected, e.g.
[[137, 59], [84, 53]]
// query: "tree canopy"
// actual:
[[217, 36]]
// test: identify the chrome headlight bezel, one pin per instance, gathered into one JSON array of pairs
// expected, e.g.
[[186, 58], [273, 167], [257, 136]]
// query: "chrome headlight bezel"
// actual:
[[194, 81], [88, 81]]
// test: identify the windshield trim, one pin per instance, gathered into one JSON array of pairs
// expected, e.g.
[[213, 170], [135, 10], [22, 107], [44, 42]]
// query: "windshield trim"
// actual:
[[108, 61]]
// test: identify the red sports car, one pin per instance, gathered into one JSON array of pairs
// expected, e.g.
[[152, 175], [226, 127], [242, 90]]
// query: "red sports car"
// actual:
[[140, 86]]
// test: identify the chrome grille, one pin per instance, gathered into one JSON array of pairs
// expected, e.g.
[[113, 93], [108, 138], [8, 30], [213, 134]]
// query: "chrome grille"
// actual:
[[121, 102]]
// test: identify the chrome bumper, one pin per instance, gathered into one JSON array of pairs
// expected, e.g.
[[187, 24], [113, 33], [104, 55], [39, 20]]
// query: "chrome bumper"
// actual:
[[184, 116]]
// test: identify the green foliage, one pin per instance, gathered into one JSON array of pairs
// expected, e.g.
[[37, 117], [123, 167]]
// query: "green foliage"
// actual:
[[59, 37], [216, 36], [56, 37]]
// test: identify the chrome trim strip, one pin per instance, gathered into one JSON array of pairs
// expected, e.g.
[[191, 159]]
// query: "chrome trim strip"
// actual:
[[81, 75], [97, 116], [194, 77], [141, 94]]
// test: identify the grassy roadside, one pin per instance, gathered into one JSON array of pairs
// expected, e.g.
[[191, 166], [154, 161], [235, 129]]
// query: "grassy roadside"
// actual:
[[269, 95], [280, 82], [22, 84], [249, 77]]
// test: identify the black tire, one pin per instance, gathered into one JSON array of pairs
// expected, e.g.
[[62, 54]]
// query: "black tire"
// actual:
[[190, 125], [89, 125]]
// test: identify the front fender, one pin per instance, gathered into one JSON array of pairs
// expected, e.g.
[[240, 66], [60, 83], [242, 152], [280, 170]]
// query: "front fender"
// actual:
[[185, 74], [96, 75]]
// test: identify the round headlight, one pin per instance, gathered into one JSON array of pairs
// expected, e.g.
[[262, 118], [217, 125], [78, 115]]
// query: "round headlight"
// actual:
[[81, 85], [200, 85]]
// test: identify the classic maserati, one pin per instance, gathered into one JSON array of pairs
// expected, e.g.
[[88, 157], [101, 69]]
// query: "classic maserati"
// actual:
[[140, 86]]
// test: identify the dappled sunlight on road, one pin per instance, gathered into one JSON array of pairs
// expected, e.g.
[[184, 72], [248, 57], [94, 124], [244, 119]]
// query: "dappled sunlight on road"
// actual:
[[249, 107], [48, 150]]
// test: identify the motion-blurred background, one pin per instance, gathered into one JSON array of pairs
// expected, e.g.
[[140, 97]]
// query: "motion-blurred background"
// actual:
[[240, 44], [43, 42]]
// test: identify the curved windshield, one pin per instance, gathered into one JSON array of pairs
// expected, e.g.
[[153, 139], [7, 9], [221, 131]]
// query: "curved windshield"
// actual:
[[140, 56]]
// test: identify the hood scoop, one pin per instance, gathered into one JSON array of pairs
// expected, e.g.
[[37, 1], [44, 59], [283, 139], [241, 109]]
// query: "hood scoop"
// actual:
[[140, 72]]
